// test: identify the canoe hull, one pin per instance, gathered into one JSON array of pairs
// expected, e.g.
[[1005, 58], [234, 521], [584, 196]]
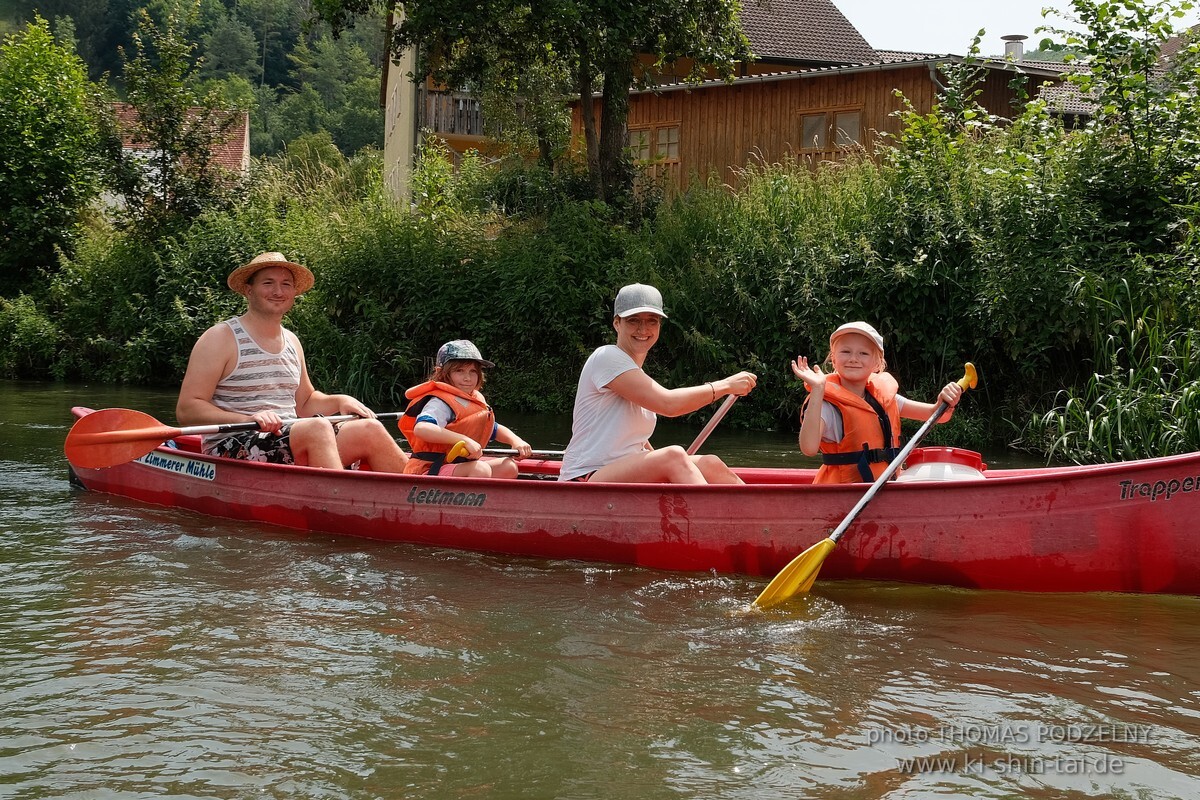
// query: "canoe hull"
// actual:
[[1118, 527]]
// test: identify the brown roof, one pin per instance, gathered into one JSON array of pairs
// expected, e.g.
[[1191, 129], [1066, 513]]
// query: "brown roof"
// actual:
[[1034, 69], [1173, 45], [803, 31], [232, 154]]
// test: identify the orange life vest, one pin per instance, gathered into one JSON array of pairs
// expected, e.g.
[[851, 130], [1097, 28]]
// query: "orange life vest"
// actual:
[[871, 436], [473, 418]]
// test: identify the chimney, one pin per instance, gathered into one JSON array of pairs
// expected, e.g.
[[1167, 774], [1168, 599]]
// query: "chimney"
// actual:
[[1013, 49]]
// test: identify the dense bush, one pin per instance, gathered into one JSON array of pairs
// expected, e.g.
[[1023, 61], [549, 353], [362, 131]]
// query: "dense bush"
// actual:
[[50, 138]]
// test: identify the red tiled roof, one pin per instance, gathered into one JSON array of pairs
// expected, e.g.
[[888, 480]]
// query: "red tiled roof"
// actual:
[[1173, 45], [812, 31], [233, 154]]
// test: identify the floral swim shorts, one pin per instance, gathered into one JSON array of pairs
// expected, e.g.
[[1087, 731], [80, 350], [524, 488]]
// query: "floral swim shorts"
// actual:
[[272, 448]]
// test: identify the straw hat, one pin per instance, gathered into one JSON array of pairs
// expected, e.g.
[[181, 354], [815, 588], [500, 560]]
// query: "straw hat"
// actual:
[[239, 279]]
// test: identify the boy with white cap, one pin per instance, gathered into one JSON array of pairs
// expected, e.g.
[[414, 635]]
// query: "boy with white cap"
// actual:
[[857, 428], [616, 405]]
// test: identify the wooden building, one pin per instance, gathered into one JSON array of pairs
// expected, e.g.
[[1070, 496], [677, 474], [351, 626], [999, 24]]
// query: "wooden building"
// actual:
[[815, 89], [819, 113]]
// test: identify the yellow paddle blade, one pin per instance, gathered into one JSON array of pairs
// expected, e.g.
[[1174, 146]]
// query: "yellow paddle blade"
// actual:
[[797, 577]]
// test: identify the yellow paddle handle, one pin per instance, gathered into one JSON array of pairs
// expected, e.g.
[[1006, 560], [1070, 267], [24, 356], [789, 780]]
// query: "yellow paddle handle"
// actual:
[[970, 378], [459, 449]]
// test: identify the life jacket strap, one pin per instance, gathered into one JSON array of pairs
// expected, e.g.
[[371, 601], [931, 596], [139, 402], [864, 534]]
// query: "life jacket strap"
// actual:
[[863, 459]]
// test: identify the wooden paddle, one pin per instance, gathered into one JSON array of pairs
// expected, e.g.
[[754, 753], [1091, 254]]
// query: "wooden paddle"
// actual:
[[114, 436], [798, 576]]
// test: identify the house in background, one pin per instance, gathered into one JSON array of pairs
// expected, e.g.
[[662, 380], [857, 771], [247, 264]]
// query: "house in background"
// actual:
[[815, 89], [231, 154]]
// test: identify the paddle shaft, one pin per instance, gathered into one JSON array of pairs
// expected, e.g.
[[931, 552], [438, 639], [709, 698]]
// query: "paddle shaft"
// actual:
[[887, 474], [508, 451], [712, 423], [163, 432]]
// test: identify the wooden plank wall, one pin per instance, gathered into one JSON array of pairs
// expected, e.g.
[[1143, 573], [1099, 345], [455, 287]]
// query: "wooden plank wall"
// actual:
[[722, 127]]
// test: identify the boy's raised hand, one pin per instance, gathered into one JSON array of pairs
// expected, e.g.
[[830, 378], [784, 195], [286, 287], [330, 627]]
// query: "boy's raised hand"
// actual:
[[811, 375]]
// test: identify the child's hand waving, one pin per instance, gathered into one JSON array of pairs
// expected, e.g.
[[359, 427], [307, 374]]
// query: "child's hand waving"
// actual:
[[811, 375]]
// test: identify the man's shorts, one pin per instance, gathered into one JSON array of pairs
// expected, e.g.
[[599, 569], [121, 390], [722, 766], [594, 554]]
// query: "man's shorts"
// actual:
[[272, 448]]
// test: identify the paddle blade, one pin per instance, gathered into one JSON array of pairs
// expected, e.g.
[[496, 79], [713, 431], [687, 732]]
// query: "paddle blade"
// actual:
[[797, 577], [114, 436]]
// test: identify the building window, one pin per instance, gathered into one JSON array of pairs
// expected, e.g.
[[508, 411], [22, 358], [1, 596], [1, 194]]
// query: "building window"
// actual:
[[657, 144], [847, 128], [830, 130], [813, 127], [668, 143], [639, 145]]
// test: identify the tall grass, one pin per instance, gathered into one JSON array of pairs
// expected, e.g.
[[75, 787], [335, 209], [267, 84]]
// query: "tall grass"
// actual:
[[1143, 400]]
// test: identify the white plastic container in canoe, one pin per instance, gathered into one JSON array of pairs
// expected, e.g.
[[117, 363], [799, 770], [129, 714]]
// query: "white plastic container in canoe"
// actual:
[[942, 464]]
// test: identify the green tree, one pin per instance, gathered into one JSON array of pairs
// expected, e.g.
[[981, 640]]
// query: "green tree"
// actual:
[[358, 121], [50, 136], [596, 42], [299, 114], [278, 27], [175, 130], [230, 49], [1142, 141], [102, 27]]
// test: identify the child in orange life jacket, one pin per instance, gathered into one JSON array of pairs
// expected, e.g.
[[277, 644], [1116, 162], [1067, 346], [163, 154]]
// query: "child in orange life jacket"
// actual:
[[852, 416], [447, 409]]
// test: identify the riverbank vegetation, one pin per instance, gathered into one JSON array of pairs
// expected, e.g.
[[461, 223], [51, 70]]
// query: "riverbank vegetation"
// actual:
[[1062, 262]]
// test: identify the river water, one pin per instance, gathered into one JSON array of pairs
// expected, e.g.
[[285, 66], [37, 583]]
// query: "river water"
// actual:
[[150, 654]]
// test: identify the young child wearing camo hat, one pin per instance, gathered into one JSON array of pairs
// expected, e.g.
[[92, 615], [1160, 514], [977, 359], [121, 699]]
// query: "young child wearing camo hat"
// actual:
[[448, 409]]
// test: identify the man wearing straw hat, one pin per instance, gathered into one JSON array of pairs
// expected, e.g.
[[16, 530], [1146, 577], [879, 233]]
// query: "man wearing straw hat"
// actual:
[[251, 367]]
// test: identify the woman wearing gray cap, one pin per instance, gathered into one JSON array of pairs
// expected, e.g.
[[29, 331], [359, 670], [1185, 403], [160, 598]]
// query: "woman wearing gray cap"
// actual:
[[617, 403]]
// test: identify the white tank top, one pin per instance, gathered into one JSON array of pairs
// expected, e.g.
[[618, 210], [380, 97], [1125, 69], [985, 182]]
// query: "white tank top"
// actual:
[[260, 380]]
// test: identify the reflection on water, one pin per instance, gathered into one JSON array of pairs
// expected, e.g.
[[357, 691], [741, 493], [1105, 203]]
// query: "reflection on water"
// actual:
[[151, 654]]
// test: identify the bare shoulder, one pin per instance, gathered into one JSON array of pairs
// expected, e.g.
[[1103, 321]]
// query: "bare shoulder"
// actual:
[[213, 356], [217, 338]]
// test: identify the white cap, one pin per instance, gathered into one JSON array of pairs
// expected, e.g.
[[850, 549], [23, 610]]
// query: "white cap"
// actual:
[[637, 298], [857, 327]]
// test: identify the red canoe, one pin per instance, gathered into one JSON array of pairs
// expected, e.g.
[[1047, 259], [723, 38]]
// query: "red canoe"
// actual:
[[1126, 527]]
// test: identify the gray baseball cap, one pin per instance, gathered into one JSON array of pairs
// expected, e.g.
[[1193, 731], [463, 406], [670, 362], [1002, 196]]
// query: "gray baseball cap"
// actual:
[[637, 298], [460, 350]]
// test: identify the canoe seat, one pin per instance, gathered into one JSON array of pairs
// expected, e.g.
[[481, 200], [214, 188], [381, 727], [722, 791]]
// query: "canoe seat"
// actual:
[[189, 443]]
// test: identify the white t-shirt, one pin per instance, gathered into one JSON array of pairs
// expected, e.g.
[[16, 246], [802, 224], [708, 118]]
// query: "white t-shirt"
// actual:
[[605, 426]]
